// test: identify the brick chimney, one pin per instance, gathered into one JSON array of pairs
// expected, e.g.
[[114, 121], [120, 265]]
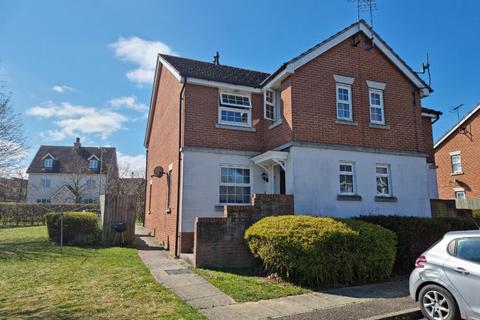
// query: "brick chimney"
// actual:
[[77, 144]]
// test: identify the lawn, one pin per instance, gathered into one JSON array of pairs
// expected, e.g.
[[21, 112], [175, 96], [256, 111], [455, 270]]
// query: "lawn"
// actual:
[[39, 280], [244, 287]]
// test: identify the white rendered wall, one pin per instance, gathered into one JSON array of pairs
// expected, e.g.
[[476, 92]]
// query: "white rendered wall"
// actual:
[[36, 191], [432, 181], [312, 176], [201, 181]]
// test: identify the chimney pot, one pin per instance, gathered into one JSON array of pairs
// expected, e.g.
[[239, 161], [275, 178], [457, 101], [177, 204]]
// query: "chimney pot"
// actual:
[[77, 143]]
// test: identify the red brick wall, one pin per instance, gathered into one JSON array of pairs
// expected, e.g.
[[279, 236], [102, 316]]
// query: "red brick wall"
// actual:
[[469, 146], [314, 100], [162, 151], [219, 241]]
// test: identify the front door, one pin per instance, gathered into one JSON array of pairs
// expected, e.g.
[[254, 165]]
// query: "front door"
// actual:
[[282, 181]]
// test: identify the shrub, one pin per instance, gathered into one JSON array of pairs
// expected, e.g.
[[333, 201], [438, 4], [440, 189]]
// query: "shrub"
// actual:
[[79, 228], [322, 252], [416, 234]]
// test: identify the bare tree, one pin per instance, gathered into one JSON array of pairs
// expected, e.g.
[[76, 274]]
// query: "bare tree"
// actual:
[[76, 178], [12, 138]]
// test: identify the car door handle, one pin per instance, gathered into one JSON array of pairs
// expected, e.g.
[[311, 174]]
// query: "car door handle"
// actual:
[[462, 271]]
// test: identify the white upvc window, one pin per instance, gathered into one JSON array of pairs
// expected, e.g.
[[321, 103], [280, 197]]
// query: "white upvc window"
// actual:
[[45, 183], [384, 181], [460, 194], [48, 163], [91, 184], [377, 115], [271, 102], [235, 109], [344, 102], [93, 164], [347, 178], [456, 159], [235, 187]]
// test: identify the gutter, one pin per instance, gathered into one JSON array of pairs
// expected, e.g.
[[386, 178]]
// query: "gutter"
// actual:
[[179, 159]]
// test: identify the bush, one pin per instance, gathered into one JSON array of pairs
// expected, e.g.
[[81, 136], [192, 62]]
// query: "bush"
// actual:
[[415, 235], [322, 252], [79, 228]]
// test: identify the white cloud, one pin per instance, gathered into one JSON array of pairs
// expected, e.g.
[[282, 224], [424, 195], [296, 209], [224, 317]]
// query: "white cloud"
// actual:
[[74, 120], [129, 102], [128, 164], [61, 88], [142, 53]]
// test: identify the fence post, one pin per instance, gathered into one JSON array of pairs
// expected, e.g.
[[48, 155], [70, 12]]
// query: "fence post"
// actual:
[[61, 231]]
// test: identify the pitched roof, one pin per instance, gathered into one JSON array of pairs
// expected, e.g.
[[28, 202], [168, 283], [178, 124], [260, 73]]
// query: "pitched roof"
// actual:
[[457, 125], [360, 26], [67, 159], [212, 72]]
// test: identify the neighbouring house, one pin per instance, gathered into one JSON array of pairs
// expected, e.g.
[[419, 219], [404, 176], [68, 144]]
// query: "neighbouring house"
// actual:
[[71, 174], [457, 155], [13, 189], [340, 127]]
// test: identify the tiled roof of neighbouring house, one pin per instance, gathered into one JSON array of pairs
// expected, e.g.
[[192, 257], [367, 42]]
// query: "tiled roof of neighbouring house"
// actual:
[[212, 72], [68, 159]]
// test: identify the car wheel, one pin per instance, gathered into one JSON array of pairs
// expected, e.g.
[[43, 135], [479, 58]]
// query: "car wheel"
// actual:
[[437, 303]]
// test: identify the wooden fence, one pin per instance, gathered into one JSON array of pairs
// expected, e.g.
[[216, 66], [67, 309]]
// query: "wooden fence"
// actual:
[[116, 209], [467, 204]]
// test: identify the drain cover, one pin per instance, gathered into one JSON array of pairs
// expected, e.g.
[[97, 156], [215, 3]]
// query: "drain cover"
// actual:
[[177, 271]]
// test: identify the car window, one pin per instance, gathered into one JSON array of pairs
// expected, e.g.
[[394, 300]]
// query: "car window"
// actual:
[[468, 249]]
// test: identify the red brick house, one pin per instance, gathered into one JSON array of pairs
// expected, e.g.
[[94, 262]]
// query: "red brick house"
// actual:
[[456, 155], [340, 127]]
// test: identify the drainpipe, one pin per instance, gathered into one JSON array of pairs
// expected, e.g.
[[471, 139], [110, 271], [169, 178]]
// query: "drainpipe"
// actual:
[[146, 186], [179, 159]]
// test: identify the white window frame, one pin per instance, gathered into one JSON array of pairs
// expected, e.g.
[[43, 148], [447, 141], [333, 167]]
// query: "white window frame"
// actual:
[[458, 162], [49, 161], [352, 173], [45, 183], [457, 192], [91, 184], [234, 184], [90, 162], [225, 106], [349, 101], [387, 175], [372, 106], [274, 104]]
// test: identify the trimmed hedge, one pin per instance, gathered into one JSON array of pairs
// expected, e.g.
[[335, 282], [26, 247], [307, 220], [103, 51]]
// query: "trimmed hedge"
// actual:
[[79, 228], [415, 235], [323, 252]]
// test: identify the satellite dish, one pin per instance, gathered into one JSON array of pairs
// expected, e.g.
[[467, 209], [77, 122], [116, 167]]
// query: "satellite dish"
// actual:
[[158, 172]]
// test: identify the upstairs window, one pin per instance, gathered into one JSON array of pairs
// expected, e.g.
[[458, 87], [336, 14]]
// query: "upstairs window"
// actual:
[[347, 178], [271, 110], [344, 102], [93, 164], [235, 110], [456, 162], [91, 184], [45, 183], [383, 180], [376, 106], [48, 163]]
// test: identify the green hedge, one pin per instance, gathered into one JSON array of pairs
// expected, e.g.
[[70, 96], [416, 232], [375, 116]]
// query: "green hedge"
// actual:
[[415, 235], [323, 252], [79, 228]]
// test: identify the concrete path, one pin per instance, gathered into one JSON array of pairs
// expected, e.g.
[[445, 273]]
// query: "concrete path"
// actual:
[[176, 275]]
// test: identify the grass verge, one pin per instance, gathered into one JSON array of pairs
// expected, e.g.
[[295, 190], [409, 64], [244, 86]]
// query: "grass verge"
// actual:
[[244, 287], [39, 280]]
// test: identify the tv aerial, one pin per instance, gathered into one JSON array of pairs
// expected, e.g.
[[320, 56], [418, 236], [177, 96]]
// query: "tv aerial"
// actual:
[[456, 110], [425, 69], [365, 6]]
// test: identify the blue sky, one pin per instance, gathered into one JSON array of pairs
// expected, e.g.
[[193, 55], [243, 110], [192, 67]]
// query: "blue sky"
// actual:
[[84, 68]]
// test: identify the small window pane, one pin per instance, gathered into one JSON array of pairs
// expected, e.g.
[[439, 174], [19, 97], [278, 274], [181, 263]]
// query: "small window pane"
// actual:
[[469, 249], [382, 185]]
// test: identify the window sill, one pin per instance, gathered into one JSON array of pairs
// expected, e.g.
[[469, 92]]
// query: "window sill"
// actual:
[[456, 174], [275, 124], [347, 197], [230, 127], [346, 122], [379, 126], [385, 199], [221, 206]]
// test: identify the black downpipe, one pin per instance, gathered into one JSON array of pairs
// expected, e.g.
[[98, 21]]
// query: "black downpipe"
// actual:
[[177, 219]]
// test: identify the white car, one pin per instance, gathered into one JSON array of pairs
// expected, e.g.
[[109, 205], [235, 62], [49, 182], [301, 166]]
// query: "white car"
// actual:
[[446, 279]]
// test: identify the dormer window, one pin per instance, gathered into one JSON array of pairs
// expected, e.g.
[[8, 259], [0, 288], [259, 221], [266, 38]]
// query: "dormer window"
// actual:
[[93, 164], [48, 163], [235, 109]]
